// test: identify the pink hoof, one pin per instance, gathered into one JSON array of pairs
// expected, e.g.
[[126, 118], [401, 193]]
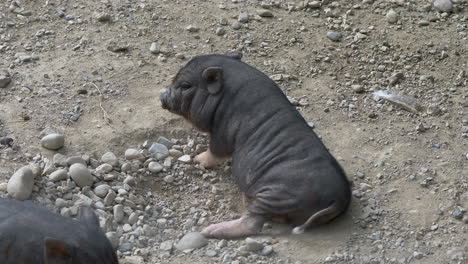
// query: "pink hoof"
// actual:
[[231, 229]]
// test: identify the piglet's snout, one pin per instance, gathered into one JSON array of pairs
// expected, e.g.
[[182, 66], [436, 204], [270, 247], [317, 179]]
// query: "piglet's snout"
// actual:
[[163, 97]]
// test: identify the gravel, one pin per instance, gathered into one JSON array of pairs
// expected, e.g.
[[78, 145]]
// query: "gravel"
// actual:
[[334, 36]]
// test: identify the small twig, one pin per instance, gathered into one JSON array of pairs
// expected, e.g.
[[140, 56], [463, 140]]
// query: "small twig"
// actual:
[[104, 113]]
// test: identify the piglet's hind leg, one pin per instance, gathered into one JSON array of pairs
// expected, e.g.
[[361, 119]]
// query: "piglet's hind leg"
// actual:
[[247, 225]]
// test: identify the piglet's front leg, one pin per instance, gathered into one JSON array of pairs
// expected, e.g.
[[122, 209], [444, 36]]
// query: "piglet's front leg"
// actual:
[[207, 159]]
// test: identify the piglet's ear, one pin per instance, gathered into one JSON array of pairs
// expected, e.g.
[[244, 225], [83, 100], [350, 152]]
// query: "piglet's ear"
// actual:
[[235, 55], [213, 77], [88, 217], [57, 252]]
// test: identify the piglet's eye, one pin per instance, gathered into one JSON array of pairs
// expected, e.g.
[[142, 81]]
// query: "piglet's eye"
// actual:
[[185, 85]]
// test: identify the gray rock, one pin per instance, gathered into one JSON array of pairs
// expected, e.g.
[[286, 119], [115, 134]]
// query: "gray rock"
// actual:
[[169, 179], [131, 154], [166, 142], [113, 238], [392, 16], [334, 36], [155, 167], [58, 175], [166, 246], [103, 17], [133, 218], [175, 153], [236, 26], [124, 247], [102, 190], [158, 148], [267, 250], [264, 13], [53, 141], [192, 240], [243, 17], [130, 181], [75, 159], [5, 79], [220, 31], [118, 213], [110, 198], [110, 158], [443, 5], [127, 166], [21, 184], [192, 28], [252, 245], [357, 88], [81, 175]]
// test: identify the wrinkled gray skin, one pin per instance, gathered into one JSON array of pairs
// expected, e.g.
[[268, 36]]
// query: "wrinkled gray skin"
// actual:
[[278, 161], [31, 234]]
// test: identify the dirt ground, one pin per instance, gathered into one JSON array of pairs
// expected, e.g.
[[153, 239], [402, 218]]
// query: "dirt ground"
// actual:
[[409, 169]]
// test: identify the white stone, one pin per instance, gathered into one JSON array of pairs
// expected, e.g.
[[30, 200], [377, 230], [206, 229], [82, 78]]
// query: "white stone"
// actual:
[[21, 184], [53, 141], [185, 159]]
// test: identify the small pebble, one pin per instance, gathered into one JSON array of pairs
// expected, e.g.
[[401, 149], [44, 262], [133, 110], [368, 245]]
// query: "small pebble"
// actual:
[[243, 17], [264, 13], [192, 28], [392, 16], [185, 159], [334, 36], [58, 175], [155, 167], [192, 240]]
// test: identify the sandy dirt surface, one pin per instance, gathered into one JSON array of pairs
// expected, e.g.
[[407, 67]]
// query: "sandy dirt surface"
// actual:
[[85, 69]]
